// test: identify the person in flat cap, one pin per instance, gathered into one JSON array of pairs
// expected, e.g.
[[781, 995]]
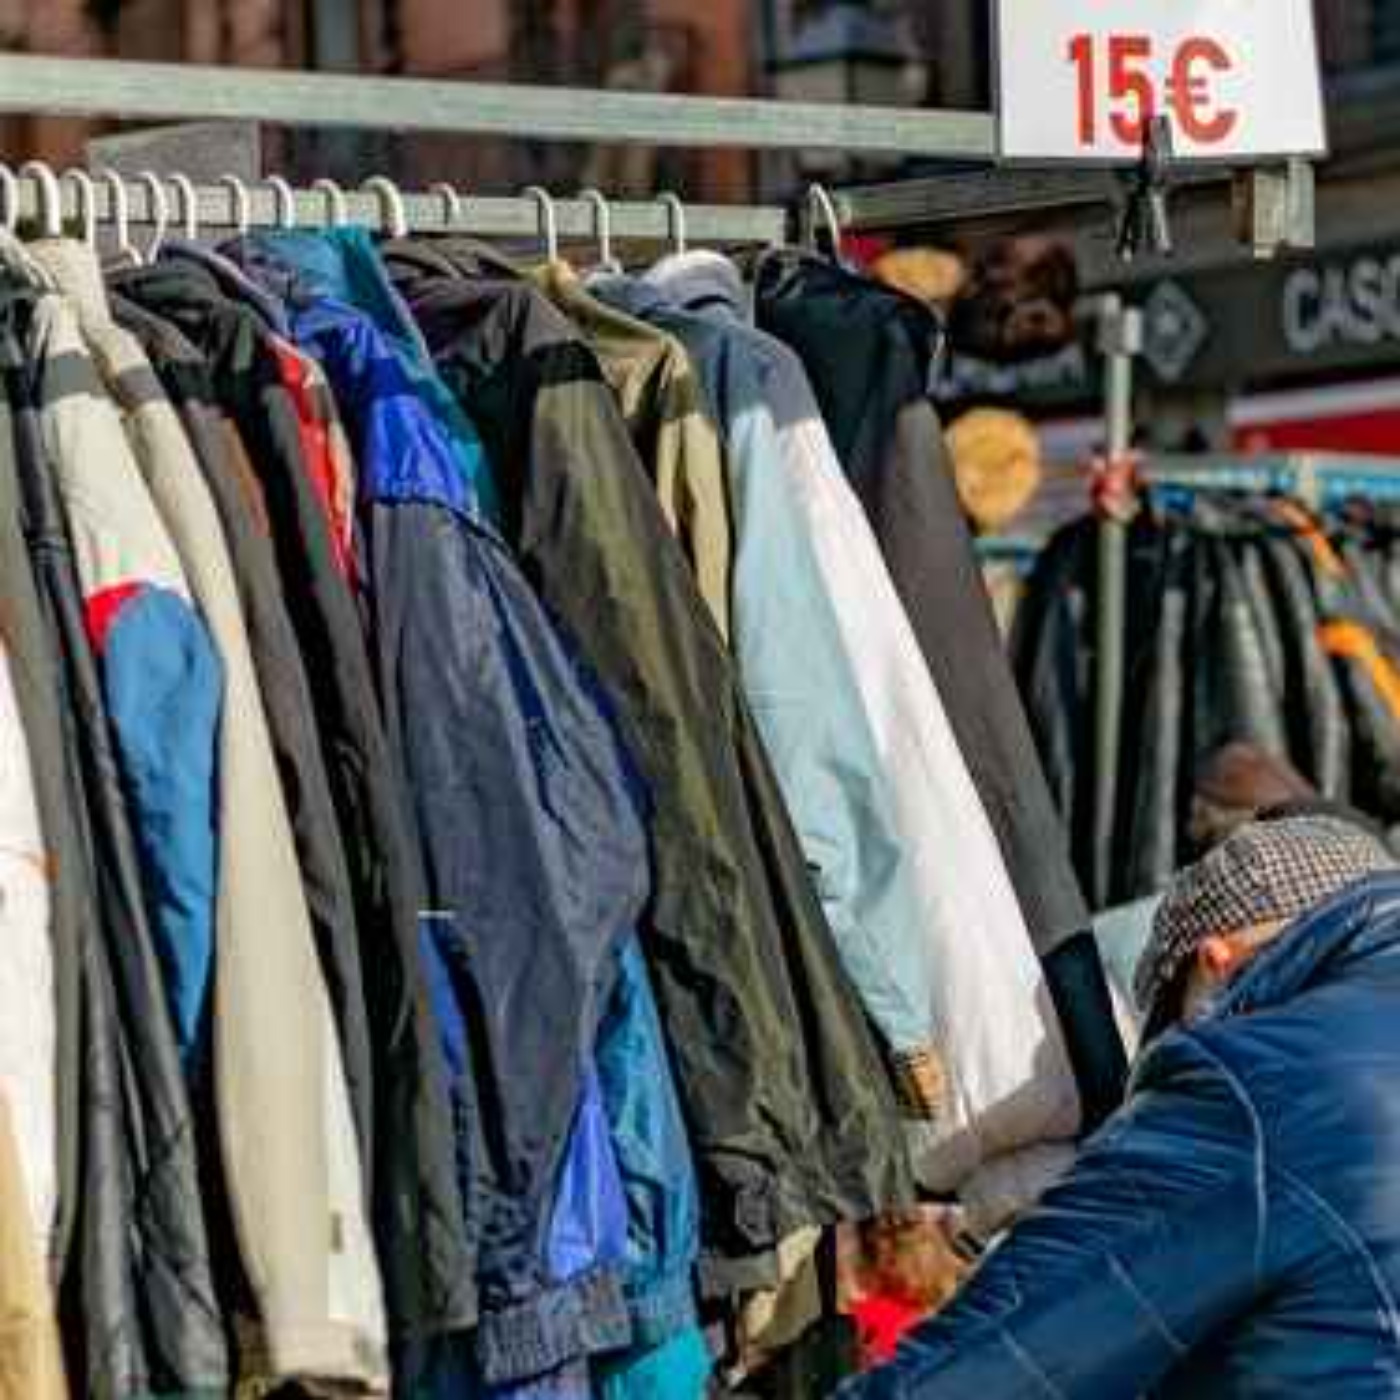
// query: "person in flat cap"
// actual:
[[1233, 1231]]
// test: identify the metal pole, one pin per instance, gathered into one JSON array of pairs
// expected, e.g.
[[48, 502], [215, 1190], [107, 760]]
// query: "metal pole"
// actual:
[[1120, 339]]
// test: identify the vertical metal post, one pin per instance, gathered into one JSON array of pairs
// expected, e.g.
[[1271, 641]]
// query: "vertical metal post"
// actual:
[[1120, 340]]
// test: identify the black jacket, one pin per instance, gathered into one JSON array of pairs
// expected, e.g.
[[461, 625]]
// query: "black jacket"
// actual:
[[141, 1292], [418, 1215], [870, 353], [286, 699], [792, 1119]]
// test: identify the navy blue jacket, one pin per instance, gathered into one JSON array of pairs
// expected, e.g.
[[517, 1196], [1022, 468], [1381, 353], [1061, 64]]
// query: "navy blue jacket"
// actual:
[[1235, 1230]]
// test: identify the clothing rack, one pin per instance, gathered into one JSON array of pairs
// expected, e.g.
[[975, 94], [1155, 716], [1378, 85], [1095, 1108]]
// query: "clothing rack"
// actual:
[[1319, 480]]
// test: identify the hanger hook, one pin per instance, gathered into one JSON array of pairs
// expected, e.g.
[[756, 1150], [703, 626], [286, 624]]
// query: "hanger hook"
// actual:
[[9, 197], [392, 213], [602, 228], [285, 200], [451, 203], [189, 206], [675, 219], [50, 197], [238, 202], [820, 202], [120, 202], [87, 203], [549, 220], [158, 206], [335, 200]]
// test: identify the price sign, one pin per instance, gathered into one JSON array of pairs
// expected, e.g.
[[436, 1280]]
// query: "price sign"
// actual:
[[1082, 79]]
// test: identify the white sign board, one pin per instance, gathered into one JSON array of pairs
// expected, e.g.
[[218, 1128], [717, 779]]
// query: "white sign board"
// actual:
[[1079, 79]]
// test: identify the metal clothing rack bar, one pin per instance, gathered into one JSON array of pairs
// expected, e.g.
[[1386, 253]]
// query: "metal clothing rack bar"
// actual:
[[1316, 479], [432, 212], [177, 91]]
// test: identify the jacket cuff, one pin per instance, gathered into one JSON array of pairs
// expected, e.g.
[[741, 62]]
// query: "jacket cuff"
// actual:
[[582, 1317], [920, 1082], [660, 1308]]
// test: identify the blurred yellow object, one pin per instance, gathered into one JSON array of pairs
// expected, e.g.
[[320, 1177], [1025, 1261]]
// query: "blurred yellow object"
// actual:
[[996, 465], [929, 274]]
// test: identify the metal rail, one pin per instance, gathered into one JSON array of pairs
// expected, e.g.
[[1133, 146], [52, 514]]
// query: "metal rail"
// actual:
[[486, 216], [176, 91]]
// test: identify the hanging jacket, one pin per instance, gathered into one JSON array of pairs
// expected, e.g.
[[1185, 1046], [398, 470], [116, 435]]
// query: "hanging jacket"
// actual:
[[60, 871], [1227, 1236], [638, 1096], [791, 1118], [981, 990], [325, 448], [522, 801], [1317, 726], [285, 698], [664, 406], [869, 352], [144, 1319], [991, 1060], [28, 997], [418, 1214], [800, 681], [31, 1355], [297, 1198], [161, 677]]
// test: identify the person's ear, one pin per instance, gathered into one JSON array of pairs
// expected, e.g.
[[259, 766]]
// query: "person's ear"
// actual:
[[1218, 956]]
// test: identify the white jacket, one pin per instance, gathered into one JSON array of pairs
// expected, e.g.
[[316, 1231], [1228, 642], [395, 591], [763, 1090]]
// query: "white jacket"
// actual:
[[290, 1154]]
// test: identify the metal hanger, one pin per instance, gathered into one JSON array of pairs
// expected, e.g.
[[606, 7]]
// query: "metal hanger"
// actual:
[[159, 208], [50, 197], [87, 204], [452, 211], [675, 218], [188, 220], [337, 213], [239, 202], [120, 202], [285, 201], [549, 220], [821, 208], [392, 213], [602, 229]]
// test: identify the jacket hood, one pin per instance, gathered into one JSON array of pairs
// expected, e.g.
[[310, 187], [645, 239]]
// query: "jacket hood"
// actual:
[[230, 279], [1355, 929], [700, 279]]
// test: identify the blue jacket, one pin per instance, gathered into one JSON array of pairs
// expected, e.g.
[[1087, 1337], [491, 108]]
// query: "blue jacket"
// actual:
[[1232, 1233], [530, 823]]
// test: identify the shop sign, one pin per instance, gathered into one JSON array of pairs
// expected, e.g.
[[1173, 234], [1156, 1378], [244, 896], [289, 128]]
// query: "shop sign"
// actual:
[[1082, 80]]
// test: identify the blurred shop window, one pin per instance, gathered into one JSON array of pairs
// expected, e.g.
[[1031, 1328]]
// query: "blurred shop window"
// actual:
[[1357, 35]]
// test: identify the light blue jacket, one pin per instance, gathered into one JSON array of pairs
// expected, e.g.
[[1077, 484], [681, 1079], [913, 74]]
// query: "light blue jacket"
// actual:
[[798, 676]]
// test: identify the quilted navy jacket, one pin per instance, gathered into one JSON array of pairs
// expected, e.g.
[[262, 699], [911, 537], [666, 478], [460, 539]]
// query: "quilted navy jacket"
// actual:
[[1234, 1232]]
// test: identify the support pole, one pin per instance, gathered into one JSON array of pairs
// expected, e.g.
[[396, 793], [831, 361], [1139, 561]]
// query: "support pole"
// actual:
[[1120, 340]]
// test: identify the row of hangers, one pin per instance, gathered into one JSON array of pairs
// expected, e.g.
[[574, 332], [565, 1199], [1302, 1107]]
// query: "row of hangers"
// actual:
[[821, 207]]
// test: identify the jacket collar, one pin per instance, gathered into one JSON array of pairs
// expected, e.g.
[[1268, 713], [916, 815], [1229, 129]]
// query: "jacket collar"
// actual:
[[74, 270], [1359, 926], [231, 280], [701, 280], [16, 259]]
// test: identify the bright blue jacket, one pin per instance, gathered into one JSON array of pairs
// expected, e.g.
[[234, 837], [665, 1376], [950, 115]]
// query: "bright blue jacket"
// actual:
[[528, 816], [1233, 1232]]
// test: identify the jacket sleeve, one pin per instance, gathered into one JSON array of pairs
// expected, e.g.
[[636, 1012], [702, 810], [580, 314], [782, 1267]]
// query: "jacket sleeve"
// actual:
[[1154, 1239]]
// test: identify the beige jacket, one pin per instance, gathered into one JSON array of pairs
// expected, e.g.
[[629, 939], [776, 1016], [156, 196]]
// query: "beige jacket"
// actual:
[[31, 1360], [290, 1156], [664, 406]]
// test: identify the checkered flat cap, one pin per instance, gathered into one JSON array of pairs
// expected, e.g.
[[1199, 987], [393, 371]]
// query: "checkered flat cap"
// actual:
[[1265, 872]]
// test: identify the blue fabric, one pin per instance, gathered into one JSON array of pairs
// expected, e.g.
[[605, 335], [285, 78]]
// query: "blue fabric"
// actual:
[[798, 674], [675, 1370], [163, 685], [342, 266], [532, 833], [653, 1152], [1231, 1233]]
